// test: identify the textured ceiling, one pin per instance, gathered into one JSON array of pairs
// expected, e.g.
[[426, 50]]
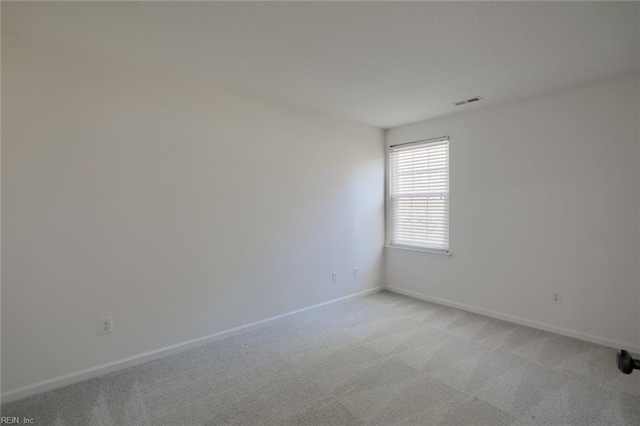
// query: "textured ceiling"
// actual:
[[380, 63]]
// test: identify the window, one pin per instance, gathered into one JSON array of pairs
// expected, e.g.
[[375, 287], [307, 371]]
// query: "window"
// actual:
[[418, 203]]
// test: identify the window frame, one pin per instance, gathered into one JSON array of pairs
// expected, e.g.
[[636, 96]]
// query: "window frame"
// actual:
[[388, 217]]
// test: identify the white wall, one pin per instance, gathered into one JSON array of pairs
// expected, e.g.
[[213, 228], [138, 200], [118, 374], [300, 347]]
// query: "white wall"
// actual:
[[179, 209], [544, 198]]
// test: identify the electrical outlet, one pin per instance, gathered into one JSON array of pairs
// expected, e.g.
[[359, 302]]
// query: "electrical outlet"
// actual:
[[334, 276], [106, 325], [556, 298], [355, 272]]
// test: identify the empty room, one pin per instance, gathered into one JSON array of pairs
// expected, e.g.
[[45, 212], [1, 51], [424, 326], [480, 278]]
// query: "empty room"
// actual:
[[320, 213]]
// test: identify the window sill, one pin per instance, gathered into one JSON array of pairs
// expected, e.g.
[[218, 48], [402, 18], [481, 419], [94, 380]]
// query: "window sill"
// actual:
[[420, 250]]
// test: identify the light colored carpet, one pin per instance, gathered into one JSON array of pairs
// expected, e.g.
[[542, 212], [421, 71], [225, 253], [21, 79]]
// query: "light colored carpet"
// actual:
[[383, 359]]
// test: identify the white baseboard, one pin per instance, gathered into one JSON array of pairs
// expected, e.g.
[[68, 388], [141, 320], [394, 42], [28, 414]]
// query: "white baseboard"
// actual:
[[519, 320], [99, 370]]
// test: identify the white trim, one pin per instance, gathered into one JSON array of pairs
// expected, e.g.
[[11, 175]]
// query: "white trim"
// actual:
[[89, 373], [421, 141], [419, 249], [519, 320]]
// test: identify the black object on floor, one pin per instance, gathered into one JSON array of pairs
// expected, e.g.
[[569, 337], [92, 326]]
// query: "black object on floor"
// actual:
[[626, 363]]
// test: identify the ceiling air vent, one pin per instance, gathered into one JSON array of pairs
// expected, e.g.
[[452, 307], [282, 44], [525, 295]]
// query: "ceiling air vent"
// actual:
[[468, 101]]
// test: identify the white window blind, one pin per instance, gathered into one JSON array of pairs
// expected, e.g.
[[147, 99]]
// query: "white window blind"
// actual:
[[419, 195]]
